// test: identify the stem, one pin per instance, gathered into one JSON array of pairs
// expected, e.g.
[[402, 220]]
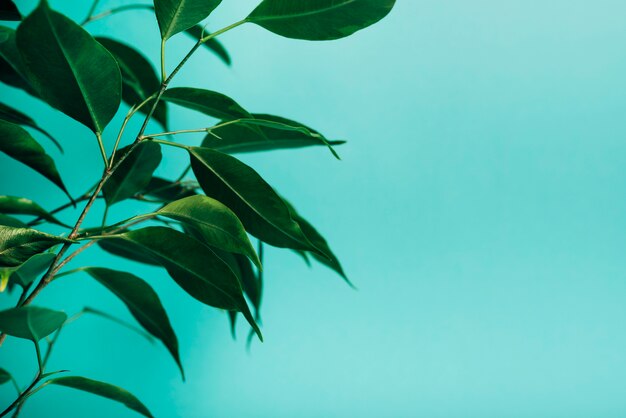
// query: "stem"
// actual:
[[170, 143], [92, 9], [219, 32], [163, 73], [102, 150], [128, 117], [182, 131], [21, 395], [117, 9], [39, 361]]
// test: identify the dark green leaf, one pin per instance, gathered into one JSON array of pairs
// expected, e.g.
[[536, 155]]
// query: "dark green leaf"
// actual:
[[135, 172], [105, 390], [139, 80], [319, 20], [208, 102], [197, 32], [8, 11], [142, 302], [11, 221], [30, 322], [15, 116], [32, 269], [12, 69], [19, 244], [120, 249], [22, 206], [4, 376], [69, 69], [193, 265], [262, 212], [20, 145], [175, 16], [167, 190], [217, 225], [242, 137]]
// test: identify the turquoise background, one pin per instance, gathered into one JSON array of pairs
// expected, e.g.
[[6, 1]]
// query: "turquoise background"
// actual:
[[479, 208]]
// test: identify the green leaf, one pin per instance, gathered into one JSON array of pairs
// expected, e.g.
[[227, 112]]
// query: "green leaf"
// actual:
[[31, 269], [22, 206], [135, 172], [11, 221], [115, 320], [102, 389], [318, 20], [167, 190], [243, 137], [217, 225], [19, 244], [139, 80], [197, 32], [120, 249], [9, 114], [4, 376], [31, 322], [12, 68], [262, 212], [193, 265], [208, 102], [142, 302], [250, 283], [69, 69], [8, 11], [175, 16], [20, 145]]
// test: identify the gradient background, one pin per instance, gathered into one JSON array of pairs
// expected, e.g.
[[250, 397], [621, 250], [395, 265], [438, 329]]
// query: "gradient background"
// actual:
[[479, 208]]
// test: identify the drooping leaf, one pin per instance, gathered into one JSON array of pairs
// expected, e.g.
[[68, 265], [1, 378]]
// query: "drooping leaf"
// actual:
[[69, 69], [20, 145], [31, 269], [318, 20], [135, 172], [120, 249], [262, 212], [242, 267], [142, 302], [19, 244], [30, 322], [217, 225], [209, 102], [242, 137], [22, 206], [193, 265], [109, 317], [12, 115], [12, 69], [4, 376], [175, 16], [197, 32], [102, 389], [11, 221], [167, 190], [8, 11], [139, 80]]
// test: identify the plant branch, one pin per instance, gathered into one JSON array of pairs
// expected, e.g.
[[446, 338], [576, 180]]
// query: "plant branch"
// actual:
[[116, 10], [21, 396], [92, 10]]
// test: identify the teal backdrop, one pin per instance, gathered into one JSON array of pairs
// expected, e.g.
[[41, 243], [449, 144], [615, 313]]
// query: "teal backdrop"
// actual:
[[479, 208]]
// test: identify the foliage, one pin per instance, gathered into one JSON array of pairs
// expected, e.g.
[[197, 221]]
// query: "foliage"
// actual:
[[201, 233]]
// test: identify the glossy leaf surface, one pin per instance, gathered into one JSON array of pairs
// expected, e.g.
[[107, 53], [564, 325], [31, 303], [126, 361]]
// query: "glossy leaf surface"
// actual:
[[19, 244], [319, 20], [175, 16], [20, 145], [135, 172], [211, 103], [68, 68], [30, 322], [142, 302], [22, 206], [105, 390]]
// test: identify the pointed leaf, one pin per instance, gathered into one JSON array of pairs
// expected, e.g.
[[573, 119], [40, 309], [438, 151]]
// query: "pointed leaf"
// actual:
[[120, 249], [193, 265], [139, 80], [22, 206], [19, 244], [8, 11], [135, 172], [9, 114], [142, 302], [30, 322], [12, 68], [69, 69], [197, 32], [175, 16], [20, 145], [105, 390], [31, 269], [318, 20], [217, 225], [167, 190], [256, 204], [11, 221], [209, 102], [4, 376]]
